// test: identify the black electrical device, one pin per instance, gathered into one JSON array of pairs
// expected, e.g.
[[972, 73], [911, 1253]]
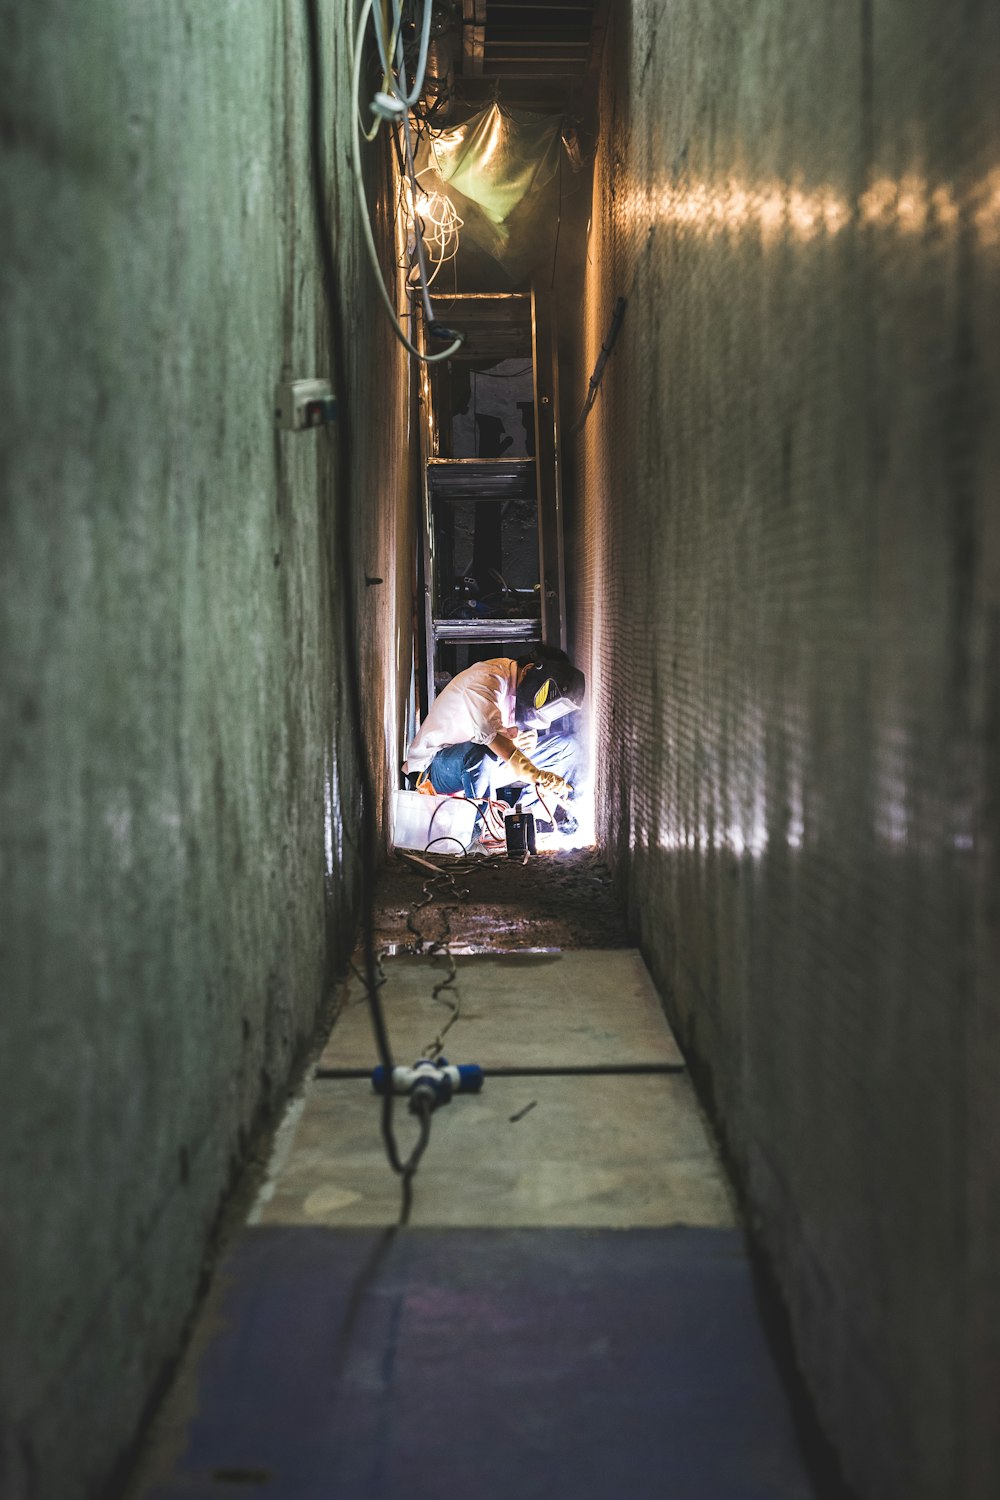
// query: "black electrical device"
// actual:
[[520, 830]]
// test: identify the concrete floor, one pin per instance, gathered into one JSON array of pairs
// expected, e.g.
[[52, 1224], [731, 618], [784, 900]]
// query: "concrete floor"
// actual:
[[611, 1151], [534, 1009], [571, 1309]]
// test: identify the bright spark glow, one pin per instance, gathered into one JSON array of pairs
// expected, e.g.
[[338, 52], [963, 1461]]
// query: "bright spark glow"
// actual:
[[582, 808]]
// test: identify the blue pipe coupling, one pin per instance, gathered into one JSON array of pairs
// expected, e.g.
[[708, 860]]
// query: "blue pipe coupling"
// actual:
[[434, 1080]]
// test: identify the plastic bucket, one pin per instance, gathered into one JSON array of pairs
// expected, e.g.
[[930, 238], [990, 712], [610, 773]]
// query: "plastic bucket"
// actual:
[[418, 819]]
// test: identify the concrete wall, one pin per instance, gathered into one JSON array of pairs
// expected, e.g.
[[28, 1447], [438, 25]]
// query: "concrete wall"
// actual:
[[791, 580], [178, 801]]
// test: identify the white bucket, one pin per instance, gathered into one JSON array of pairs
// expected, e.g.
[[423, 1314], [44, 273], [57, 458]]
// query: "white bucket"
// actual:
[[418, 818]]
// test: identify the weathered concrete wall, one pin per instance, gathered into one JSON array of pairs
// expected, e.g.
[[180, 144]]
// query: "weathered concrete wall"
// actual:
[[791, 576], [176, 873]]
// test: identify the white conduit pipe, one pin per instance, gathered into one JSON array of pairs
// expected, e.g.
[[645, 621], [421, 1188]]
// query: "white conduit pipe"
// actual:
[[428, 359]]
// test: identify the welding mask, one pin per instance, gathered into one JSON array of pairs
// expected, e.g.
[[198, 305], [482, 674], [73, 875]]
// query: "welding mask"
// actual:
[[546, 693]]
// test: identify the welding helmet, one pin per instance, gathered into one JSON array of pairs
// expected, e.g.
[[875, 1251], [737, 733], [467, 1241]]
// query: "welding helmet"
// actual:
[[550, 689]]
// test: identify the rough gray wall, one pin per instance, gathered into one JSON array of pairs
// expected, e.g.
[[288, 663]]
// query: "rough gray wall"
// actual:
[[791, 581], [176, 874]]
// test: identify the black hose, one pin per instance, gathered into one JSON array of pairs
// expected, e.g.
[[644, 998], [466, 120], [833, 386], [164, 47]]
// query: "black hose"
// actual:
[[617, 318]]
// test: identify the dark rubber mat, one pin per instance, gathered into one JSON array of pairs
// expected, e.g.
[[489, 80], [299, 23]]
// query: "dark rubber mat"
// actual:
[[505, 1364]]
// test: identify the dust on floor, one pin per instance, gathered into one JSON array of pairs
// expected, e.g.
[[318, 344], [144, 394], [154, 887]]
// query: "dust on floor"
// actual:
[[558, 899]]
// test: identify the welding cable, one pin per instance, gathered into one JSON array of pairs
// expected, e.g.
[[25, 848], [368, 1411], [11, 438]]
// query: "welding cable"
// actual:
[[430, 827], [493, 815], [359, 185], [434, 1049], [442, 883], [344, 540], [446, 838], [359, 976], [421, 1108], [452, 797]]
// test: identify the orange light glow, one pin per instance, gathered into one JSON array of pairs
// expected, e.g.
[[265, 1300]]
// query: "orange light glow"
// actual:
[[878, 203], [804, 214], [773, 209], [944, 209], [986, 215], [909, 205]]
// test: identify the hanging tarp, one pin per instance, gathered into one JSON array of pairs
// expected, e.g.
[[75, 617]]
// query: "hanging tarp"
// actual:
[[499, 169], [497, 157]]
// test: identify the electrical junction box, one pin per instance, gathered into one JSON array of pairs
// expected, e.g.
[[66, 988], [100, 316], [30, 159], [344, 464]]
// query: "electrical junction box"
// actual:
[[300, 404]]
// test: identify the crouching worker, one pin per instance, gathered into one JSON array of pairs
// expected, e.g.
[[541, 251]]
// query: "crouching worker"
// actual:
[[503, 725]]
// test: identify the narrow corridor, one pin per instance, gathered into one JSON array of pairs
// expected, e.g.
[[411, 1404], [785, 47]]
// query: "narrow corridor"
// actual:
[[571, 1309], [640, 358]]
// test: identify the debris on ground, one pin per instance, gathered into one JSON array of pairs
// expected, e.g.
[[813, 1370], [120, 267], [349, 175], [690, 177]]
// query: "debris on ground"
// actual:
[[557, 899]]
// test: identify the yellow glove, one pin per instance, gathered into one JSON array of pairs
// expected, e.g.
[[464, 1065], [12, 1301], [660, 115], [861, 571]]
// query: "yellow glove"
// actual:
[[523, 768], [548, 781]]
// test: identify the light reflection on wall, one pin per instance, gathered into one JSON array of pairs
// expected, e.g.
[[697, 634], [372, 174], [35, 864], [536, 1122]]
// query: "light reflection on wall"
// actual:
[[986, 215], [333, 824], [909, 205], [735, 838]]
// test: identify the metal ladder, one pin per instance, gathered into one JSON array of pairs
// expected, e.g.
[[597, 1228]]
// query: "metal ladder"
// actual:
[[484, 499]]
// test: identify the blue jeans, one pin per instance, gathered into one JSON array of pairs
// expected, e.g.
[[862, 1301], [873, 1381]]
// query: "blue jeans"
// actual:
[[462, 768], [467, 767]]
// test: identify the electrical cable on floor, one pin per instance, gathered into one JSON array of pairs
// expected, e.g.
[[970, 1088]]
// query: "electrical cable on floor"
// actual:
[[359, 976], [422, 1108], [447, 838], [443, 882], [342, 438]]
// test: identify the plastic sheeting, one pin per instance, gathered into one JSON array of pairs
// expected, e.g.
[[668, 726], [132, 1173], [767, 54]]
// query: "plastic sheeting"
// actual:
[[497, 157], [499, 170]]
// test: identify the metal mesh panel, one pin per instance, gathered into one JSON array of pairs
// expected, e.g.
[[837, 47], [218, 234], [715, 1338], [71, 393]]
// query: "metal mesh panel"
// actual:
[[788, 574]]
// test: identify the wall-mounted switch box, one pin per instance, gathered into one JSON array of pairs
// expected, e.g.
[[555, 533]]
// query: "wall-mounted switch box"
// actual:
[[300, 404]]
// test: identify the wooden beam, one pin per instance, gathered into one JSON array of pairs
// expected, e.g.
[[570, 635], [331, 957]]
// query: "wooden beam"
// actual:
[[473, 37]]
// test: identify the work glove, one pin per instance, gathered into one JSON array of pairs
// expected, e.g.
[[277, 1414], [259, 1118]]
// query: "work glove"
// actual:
[[548, 781]]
